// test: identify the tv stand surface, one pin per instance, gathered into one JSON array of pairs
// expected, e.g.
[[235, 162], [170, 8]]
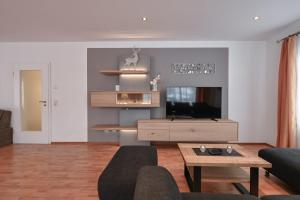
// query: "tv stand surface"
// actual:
[[208, 130], [204, 119]]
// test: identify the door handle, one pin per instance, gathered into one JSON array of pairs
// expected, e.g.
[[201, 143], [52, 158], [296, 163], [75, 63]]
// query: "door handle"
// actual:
[[44, 103]]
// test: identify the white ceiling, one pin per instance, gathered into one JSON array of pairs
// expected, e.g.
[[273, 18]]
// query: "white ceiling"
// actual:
[[95, 20]]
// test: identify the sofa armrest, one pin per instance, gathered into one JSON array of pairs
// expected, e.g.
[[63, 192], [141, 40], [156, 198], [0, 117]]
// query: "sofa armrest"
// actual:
[[5, 118], [6, 136], [118, 179]]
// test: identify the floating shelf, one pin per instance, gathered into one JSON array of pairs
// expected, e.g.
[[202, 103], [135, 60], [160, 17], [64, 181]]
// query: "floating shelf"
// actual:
[[112, 127], [125, 99], [119, 72]]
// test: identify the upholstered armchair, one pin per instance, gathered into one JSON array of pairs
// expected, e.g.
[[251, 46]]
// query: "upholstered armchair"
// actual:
[[5, 130]]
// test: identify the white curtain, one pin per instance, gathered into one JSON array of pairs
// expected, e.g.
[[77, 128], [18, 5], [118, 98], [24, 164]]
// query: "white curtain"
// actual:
[[298, 93]]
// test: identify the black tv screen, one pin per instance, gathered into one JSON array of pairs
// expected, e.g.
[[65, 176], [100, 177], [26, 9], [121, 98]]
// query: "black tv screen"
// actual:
[[194, 102]]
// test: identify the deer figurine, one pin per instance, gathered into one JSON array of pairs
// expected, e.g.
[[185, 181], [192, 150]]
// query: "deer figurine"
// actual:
[[133, 59]]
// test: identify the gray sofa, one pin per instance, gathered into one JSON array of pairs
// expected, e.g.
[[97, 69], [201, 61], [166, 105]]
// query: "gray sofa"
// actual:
[[281, 197], [133, 174], [6, 131], [285, 165], [156, 183]]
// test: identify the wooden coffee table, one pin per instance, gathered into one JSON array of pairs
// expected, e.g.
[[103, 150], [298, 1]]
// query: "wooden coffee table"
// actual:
[[205, 168]]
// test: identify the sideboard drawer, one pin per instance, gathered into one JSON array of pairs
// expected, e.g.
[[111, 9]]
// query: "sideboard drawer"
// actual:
[[204, 132], [153, 126], [154, 134]]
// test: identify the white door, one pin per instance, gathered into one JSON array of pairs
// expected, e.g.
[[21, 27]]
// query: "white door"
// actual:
[[31, 104]]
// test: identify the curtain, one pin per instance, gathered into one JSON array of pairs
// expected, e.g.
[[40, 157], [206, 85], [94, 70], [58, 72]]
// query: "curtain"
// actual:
[[287, 90]]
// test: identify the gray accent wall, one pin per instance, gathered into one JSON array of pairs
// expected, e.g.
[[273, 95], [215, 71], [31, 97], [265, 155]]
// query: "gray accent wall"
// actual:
[[160, 60], [135, 82]]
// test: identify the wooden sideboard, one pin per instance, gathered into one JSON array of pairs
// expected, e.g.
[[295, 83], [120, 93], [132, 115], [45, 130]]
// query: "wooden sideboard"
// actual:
[[222, 130]]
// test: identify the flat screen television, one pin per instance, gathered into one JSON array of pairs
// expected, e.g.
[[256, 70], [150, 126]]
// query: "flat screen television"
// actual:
[[194, 102]]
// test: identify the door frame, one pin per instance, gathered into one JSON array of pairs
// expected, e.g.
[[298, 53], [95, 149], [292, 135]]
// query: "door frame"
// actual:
[[16, 102]]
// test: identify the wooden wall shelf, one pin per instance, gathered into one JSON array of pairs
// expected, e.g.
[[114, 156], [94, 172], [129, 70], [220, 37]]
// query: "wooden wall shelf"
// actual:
[[119, 72], [125, 99], [112, 127]]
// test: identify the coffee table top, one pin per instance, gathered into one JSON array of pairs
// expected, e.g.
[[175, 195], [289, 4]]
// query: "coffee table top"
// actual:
[[248, 158]]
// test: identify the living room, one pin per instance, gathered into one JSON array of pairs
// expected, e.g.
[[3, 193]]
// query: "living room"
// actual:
[[113, 77]]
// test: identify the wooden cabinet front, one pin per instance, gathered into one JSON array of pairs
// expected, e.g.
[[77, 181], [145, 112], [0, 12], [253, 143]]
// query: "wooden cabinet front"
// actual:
[[154, 125], [154, 134], [155, 99], [188, 130], [203, 132], [103, 99]]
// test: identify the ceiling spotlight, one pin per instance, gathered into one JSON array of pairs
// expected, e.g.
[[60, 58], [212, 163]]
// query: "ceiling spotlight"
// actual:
[[144, 19], [256, 18]]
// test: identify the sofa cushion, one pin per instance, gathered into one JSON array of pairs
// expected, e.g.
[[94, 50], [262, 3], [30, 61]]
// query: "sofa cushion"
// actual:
[[281, 197], [117, 181], [203, 196], [156, 183]]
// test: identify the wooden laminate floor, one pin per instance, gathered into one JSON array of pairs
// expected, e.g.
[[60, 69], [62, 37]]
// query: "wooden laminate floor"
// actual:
[[70, 171]]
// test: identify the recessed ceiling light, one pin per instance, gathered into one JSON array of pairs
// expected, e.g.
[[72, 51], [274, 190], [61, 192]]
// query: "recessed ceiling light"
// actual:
[[144, 19], [256, 18]]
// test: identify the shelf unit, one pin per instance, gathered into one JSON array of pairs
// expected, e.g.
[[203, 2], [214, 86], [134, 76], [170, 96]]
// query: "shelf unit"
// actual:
[[125, 99], [110, 72], [135, 93], [112, 127]]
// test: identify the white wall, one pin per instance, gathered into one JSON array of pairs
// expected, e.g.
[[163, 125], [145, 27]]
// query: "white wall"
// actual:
[[298, 94], [272, 67], [248, 83], [247, 91], [68, 74]]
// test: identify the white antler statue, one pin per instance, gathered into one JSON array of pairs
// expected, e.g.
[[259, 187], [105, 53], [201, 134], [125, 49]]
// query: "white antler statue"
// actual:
[[133, 59]]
